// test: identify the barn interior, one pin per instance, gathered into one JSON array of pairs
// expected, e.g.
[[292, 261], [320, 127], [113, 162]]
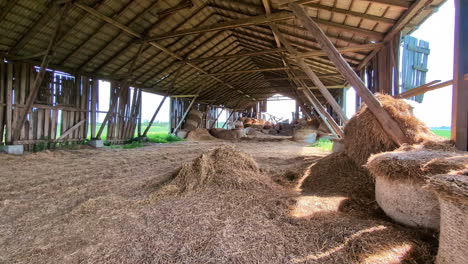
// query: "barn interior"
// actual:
[[249, 189]]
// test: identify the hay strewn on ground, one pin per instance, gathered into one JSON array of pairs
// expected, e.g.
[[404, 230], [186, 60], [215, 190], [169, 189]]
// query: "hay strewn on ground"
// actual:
[[416, 163], [364, 135], [222, 208]]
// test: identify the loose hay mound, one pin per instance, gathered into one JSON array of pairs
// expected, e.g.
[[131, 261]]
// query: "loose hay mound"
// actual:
[[338, 175], [452, 191], [222, 168], [364, 135], [199, 134]]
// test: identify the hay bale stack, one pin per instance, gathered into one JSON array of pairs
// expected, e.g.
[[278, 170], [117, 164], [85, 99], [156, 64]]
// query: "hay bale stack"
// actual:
[[248, 122], [199, 134], [364, 136], [193, 120], [305, 135], [268, 125], [232, 134], [452, 192], [400, 177], [238, 124]]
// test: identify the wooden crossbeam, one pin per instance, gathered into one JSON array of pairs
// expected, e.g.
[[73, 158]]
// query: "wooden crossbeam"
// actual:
[[35, 86], [389, 125], [152, 43], [246, 71], [394, 3], [238, 55], [312, 75], [409, 14], [319, 53], [6, 9], [71, 129], [351, 13], [258, 20], [263, 19]]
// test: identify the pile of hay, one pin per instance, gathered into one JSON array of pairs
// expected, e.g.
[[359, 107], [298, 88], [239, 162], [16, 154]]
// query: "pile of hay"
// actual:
[[364, 136], [338, 175], [222, 209], [199, 134]]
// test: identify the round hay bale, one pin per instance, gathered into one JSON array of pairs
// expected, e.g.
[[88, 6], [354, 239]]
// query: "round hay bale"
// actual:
[[407, 202], [452, 192], [199, 134], [364, 136], [305, 135]]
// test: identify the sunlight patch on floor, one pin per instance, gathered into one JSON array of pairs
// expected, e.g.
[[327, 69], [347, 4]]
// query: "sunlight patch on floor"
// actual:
[[309, 205]]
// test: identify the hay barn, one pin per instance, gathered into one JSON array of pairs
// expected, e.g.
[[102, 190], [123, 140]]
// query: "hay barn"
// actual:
[[79, 184]]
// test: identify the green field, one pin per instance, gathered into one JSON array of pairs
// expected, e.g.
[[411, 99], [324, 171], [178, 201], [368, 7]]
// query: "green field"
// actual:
[[442, 132], [326, 144]]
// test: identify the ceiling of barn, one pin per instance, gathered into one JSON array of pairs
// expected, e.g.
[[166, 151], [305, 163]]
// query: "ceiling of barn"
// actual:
[[103, 37]]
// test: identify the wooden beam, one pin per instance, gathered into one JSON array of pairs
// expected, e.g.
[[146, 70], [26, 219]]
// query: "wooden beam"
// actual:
[[152, 43], [389, 125], [36, 28], [7, 8], [362, 47], [238, 55], [35, 86], [246, 71], [407, 16], [379, 19], [258, 20], [71, 129], [311, 74], [424, 89], [460, 72], [394, 3], [184, 116]]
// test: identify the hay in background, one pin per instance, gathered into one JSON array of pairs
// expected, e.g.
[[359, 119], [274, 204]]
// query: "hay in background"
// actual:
[[416, 163], [199, 134], [232, 134], [364, 135]]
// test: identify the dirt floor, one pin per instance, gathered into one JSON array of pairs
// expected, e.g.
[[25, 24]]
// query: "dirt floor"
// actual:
[[63, 206]]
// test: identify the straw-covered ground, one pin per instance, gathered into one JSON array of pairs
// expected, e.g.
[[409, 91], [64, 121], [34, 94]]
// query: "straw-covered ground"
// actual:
[[238, 204]]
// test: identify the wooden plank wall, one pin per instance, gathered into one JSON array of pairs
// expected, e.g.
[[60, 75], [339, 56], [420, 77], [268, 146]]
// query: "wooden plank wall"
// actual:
[[65, 110]]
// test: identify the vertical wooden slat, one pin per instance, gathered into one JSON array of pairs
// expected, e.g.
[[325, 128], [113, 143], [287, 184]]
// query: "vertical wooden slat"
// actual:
[[2, 99], [9, 91], [460, 78]]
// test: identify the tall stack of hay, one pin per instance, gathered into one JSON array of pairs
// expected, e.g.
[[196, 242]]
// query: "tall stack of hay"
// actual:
[[193, 120]]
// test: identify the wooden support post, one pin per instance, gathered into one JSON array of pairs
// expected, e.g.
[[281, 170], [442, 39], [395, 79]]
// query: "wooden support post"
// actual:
[[71, 129], [34, 90], [389, 125], [460, 87], [313, 77], [184, 116]]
